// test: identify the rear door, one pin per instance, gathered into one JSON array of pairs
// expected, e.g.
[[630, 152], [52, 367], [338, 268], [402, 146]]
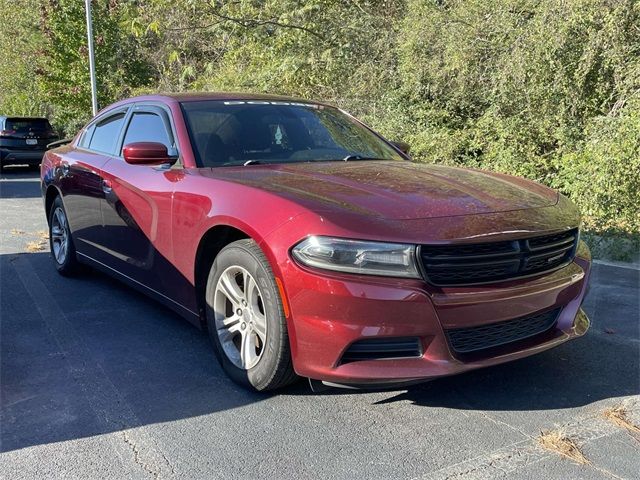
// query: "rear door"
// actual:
[[136, 208], [81, 180]]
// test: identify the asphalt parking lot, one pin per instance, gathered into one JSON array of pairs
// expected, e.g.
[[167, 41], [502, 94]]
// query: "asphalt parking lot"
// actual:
[[97, 381]]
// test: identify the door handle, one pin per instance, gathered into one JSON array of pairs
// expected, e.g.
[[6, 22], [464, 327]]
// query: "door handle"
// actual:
[[106, 186]]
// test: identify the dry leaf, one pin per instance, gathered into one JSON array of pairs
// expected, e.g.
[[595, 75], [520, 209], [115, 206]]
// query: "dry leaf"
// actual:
[[556, 441], [618, 416], [38, 246]]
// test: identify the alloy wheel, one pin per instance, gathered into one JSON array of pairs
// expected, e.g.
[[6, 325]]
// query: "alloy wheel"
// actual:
[[240, 318], [59, 235]]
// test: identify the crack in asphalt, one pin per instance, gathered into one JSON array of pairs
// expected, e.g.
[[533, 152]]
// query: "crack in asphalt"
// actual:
[[106, 401], [136, 454], [151, 469]]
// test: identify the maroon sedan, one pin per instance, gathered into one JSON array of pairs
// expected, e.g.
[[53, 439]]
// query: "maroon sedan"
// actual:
[[307, 244]]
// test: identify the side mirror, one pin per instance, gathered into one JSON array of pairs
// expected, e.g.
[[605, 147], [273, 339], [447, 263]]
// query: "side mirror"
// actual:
[[146, 153], [404, 147]]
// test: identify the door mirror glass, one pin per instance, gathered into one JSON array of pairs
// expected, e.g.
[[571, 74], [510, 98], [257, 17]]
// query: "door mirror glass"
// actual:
[[146, 153]]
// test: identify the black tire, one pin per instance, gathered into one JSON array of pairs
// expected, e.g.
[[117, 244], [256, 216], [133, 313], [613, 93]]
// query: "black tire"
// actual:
[[274, 368], [69, 265]]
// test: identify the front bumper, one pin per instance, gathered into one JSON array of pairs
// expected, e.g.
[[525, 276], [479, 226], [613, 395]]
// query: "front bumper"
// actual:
[[328, 313]]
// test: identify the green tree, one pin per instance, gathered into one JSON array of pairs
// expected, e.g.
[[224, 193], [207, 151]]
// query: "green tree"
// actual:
[[333, 50], [63, 70], [20, 43]]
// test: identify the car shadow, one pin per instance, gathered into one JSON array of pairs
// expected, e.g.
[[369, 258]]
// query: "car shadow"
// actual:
[[86, 356], [19, 182]]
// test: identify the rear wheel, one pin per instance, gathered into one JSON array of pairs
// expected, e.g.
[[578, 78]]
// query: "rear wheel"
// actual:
[[60, 241], [245, 318]]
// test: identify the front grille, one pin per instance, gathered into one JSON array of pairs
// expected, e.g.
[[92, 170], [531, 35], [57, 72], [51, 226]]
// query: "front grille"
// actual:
[[454, 265], [382, 348], [475, 339]]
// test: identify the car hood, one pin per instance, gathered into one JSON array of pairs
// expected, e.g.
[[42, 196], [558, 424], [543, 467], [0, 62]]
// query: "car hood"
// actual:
[[392, 189]]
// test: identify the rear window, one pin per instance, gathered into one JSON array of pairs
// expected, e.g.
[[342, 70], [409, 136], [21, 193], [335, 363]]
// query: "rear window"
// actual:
[[27, 124]]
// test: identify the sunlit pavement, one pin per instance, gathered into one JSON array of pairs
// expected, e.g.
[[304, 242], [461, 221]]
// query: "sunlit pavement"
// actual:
[[98, 381]]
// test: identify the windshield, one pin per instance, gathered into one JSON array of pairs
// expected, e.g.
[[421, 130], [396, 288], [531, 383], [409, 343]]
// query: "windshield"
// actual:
[[240, 132]]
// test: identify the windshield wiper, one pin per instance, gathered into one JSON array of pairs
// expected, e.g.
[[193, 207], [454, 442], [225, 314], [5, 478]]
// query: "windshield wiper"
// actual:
[[349, 158], [237, 163]]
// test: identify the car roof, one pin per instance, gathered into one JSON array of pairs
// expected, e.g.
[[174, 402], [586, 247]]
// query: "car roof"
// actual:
[[202, 96]]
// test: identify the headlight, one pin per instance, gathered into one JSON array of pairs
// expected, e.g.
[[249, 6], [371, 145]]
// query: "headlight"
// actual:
[[354, 256]]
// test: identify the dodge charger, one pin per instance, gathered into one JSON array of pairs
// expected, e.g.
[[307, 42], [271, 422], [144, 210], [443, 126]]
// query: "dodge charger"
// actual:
[[307, 245]]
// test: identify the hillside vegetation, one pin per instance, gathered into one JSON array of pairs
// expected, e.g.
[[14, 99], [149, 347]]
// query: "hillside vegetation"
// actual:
[[547, 89]]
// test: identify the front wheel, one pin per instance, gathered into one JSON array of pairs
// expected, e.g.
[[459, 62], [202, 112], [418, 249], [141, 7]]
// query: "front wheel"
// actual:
[[245, 318]]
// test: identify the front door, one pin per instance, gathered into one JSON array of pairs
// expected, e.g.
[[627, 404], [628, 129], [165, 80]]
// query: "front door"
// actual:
[[136, 209]]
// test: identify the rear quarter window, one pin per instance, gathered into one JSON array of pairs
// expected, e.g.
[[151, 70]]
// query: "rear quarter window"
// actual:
[[85, 138], [106, 133]]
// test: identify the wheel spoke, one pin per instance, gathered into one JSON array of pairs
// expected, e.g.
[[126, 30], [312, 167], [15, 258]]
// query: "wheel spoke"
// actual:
[[63, 251], [59, 218], [63, 219], [56, 232], [247, 349], [228, 331], [246, 278], [229, 322], [250, 291], [231, 289], [260, 327], [225, 336]]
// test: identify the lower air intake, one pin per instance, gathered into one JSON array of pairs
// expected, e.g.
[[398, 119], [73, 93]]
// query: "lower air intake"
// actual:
[[476, 339], [382, 348]]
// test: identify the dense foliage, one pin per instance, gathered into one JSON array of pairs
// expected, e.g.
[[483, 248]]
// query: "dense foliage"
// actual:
[[547, 89]]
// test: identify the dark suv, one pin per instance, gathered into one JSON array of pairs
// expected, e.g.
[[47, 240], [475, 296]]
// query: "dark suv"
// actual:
[[23, 141]]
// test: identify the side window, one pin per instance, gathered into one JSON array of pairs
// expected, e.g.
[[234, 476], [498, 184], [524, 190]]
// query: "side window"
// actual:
[[86, 137], [105, 134], [147, 127]]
